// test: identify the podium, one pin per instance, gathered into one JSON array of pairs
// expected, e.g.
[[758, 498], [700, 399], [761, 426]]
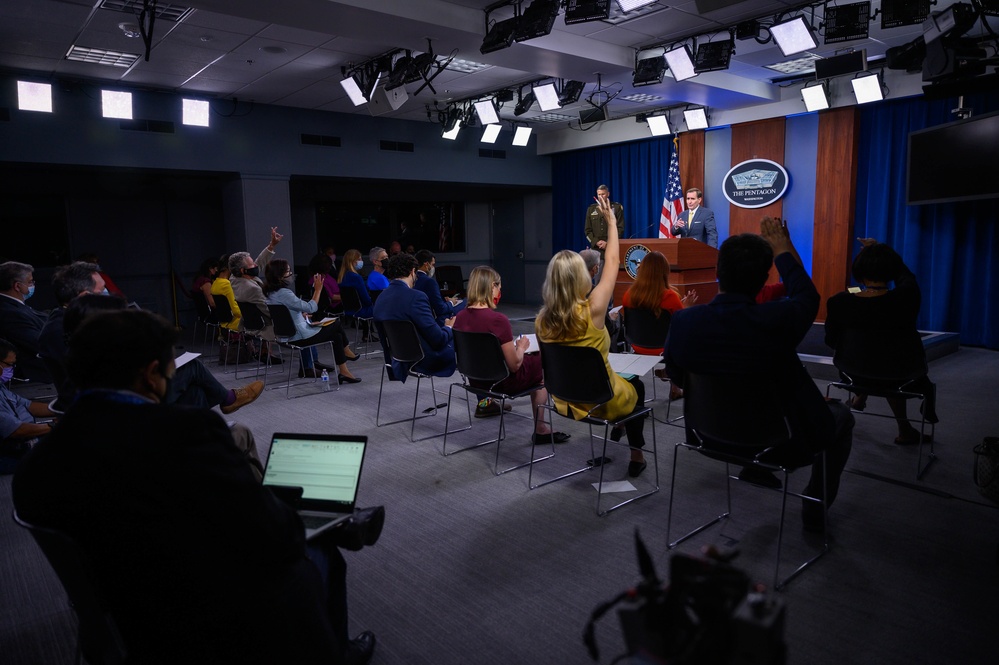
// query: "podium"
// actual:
[[691, 264]]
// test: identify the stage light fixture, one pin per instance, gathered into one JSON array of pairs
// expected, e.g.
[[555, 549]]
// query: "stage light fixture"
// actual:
[[452, 133], [500, 36], [537, 20], [658, 125], [486, 110], [195, 112], [680, 63], [401, 72], [571, 90], [696, 118], [714, 56], [845, 23], [522, 135], [815, 96], [951, 22], [35, 96], [547, 97], [525, 103], [867, 88], [582, 11], [794, 36], [490, 133], [628, 5], [650, 66], [116, 104], [896, 13], [352, 85]]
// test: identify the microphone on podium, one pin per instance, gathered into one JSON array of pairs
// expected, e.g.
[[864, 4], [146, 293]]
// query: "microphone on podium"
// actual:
[[650, 226]]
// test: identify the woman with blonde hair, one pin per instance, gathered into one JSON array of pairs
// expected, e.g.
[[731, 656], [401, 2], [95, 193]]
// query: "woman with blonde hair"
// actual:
[[480, 315], [350, 277], [573, 315]]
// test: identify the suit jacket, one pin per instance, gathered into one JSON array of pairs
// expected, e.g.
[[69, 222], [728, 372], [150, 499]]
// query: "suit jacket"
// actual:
[[400, 303], [596, 227], [442, 309], [702, 228], [190, 551], [733, 334], [21, 325]]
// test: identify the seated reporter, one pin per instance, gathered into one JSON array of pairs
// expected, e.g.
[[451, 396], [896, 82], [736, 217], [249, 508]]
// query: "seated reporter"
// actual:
[[196, 560], [278, 283], [444, 308], [480, 315]]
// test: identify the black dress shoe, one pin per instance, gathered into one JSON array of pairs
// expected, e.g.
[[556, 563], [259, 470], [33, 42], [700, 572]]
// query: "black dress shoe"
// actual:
[[360, 649], [635, 468], [323, 366], [553, 437], [361, 529], [347, 379]]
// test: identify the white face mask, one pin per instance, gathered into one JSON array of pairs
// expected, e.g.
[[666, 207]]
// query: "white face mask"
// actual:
[[358, 264], [433, 269]]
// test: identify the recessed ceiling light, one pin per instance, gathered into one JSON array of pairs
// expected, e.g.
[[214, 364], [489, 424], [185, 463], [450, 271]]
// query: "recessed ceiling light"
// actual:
[[641, 97], [802, 65], [553, 117]]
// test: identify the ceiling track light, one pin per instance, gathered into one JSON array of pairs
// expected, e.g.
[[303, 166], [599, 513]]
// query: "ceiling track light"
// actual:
[[650, 67], [696, 118], [680, 62], [537, 20], [524, 102]]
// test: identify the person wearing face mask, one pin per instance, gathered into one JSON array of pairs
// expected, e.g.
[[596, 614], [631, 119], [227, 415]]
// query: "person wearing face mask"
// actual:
[[180, 536], [350, 277], [484, 290], [21, 324], [247, 286], [443, 308], [18, 429], [401, 302], [377, 281], [279, 282]]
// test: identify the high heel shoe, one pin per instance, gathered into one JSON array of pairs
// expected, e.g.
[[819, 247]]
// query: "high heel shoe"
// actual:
[[352, 358], [347, 379]]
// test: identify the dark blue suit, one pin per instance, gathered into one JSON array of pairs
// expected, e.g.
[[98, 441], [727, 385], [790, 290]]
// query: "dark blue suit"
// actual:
[[400, 303], [21, 325], [702, 228], [442, 309], [734, 335]]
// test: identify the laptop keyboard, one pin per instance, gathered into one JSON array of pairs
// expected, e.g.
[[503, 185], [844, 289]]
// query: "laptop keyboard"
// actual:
[[315, 521]]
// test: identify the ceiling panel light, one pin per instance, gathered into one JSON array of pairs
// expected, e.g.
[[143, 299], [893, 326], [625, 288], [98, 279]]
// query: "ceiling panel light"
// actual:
[[650, 69], [34, 96], [353, 89], [486, 110], [100, 56], [547, 97], [627, 5], [867, 88], [794, 36], [815, 97], [115, 104], [696, 118], [522, 136], [658, 125], [681, 64], [641, 98], [552, 117], [195, 112], [490, 133]]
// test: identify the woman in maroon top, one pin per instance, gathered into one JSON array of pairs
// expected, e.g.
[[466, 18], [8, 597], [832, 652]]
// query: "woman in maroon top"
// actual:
[[480, 315]]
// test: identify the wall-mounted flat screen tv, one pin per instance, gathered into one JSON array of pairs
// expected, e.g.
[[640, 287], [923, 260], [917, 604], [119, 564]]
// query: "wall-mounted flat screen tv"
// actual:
[[954, 162]]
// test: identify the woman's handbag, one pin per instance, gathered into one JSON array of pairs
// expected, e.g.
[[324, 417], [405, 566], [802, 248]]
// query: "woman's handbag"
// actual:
[[987, 468]]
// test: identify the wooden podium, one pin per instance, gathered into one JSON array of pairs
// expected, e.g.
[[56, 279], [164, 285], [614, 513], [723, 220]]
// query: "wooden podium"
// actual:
[[691, 263]]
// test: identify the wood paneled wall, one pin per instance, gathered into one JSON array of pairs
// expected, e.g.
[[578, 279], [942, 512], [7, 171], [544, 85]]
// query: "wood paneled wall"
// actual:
[[692, 160], [763, 139], [835, 200]]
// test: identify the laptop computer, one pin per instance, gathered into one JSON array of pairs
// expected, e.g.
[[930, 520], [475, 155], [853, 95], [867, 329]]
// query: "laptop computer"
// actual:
[[326, 468]]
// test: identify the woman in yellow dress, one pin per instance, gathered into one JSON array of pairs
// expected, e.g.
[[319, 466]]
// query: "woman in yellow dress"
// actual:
[[573, 315]]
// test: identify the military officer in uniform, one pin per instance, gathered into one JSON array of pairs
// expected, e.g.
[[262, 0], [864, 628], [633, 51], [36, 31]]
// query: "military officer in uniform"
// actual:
[[596, 227]]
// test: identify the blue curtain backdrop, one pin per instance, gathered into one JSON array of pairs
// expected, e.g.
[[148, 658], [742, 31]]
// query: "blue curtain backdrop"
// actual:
[[951, 247], [636, 175]]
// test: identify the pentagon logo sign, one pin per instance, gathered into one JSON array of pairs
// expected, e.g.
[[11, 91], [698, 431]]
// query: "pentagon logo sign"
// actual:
[[755, 183]]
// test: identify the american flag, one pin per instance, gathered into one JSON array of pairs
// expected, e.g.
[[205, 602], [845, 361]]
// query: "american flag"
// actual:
[[673, 198]]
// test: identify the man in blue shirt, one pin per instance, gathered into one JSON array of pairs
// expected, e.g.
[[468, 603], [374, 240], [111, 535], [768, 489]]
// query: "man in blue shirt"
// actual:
[[377, 281]]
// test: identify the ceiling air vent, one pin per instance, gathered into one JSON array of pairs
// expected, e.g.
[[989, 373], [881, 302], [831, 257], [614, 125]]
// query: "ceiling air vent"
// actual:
[[101, 56], [397, 146], [155, 126], [164, 10], [320, 139], [489, 153]]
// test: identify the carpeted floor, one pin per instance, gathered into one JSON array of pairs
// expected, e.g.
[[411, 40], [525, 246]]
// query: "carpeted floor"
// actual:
[[473, 568]]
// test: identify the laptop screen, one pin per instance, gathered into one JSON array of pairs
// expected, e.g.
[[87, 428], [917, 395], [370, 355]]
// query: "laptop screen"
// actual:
[[326, 467]]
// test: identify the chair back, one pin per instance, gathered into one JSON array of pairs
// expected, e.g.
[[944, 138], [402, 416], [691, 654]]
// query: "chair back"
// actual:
[[284, 325], [880, 356], [480, 357], [201, 306], [351, 301], [722, 411], [99, 639], [450, 275], [223, 312], [575, 374], [403, 342], [253, 320], [644, 328]]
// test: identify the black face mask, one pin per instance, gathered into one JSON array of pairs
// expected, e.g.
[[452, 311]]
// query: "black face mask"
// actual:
[[252, 272]]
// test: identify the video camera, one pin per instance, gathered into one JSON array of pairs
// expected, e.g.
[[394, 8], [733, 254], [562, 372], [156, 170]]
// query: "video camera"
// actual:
[[709, 614]]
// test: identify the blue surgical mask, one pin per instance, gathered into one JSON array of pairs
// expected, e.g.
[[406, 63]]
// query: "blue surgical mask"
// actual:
[[358, 265], [105, 292], [31, 292], [7, 375]]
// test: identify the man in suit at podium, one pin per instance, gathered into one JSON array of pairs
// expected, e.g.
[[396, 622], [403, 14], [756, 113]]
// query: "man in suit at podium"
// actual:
[[696, 221]]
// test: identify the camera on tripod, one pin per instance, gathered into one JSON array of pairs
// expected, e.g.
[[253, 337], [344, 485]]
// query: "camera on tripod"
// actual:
[[708, 614]]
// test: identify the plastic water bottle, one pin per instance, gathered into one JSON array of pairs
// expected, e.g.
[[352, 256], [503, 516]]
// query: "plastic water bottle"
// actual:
[[445, 286], [325, 378]]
